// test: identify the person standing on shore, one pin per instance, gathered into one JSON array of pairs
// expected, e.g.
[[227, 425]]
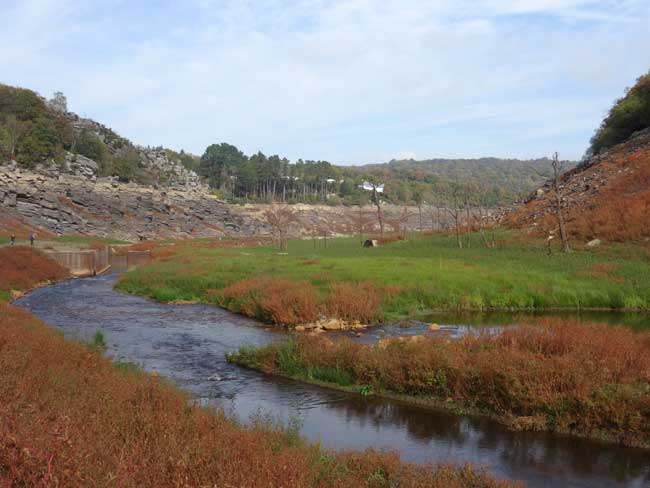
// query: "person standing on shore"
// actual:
[[12, 240], [32, 237]]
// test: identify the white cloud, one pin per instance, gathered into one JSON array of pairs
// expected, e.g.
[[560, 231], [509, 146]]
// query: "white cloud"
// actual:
[[350, 81]]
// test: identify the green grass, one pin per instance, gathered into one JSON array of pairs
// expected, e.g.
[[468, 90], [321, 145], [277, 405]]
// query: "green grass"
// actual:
[[431, 273]]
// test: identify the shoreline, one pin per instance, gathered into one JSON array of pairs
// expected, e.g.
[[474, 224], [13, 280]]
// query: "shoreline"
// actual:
[[434, 404]]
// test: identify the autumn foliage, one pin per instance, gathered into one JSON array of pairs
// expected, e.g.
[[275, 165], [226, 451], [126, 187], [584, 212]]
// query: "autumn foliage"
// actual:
[[72, 418], [609, 199], [353, 301], [282, 301], [565, 376], [23, 267]]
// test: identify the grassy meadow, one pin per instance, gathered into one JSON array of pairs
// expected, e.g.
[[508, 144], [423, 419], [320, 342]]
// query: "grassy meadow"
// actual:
[[401, 278]]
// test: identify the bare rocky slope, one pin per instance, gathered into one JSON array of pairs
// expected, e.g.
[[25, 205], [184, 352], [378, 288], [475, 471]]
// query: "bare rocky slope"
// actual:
[[605, 197]]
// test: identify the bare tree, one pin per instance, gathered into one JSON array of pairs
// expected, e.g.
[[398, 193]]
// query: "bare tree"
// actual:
[[361, 221], [455, 210], [376, 200], [280, 217], [399, 223], [480, 217], [557, 172]]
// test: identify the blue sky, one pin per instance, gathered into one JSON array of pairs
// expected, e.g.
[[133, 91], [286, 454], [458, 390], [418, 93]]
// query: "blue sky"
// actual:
[[352, 81]]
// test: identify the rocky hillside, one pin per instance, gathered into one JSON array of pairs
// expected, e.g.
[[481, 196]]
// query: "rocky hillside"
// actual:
[[605, 197], [65, 204], [42, 135], [76, 204]]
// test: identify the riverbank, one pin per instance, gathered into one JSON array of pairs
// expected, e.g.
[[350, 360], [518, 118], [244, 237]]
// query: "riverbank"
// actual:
[[591, 381], [24, 268], [342, 280], [71, 417]]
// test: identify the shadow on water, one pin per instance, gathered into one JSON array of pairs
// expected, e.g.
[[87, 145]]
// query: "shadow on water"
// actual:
[[187, 344]]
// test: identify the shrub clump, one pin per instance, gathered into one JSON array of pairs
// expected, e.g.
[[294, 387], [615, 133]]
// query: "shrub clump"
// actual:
[[352, 301], [280, 301], [628, 115]]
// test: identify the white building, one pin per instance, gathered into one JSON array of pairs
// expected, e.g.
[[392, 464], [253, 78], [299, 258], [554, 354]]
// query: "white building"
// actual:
[[369, 187]]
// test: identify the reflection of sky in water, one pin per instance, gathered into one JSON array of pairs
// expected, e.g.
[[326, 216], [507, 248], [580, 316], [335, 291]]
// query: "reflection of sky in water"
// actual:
[[187, 343]]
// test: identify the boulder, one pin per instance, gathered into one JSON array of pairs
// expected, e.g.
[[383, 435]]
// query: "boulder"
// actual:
[[594, 243]]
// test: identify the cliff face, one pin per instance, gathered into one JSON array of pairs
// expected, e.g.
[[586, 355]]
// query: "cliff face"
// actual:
[[77, 204], [56, 203], [606, 197]]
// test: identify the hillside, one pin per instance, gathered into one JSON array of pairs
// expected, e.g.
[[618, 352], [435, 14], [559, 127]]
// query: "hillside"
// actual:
[[42, 135], [605, 197], [493, 181]]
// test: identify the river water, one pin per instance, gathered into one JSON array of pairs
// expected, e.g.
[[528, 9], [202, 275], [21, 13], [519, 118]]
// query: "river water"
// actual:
[[187, 344]]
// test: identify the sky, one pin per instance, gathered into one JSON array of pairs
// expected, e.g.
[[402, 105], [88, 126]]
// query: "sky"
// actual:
[[351, 82]]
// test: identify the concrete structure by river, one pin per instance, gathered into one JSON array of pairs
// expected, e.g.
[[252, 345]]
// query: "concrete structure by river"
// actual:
[[91, 262]]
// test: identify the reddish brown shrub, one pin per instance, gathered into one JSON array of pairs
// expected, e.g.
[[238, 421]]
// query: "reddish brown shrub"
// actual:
[[558, 375], [24, 267], [70, 418], [353, 301], [277, 300], [615, 207], [97, 245]]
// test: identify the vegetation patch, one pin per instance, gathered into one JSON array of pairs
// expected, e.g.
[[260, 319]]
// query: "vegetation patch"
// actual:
[[424, 273], [562, 376], [70, 417], [22, 268]]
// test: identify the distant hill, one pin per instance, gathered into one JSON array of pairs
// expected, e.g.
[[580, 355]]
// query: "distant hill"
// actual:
[[493, 181]]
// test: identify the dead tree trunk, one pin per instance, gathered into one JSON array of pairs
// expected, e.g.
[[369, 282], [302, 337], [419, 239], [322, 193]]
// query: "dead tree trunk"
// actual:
[[375, 197], [557, 170]]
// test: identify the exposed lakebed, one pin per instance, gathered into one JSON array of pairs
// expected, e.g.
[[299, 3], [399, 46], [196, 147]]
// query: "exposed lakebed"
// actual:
[[188, 343]]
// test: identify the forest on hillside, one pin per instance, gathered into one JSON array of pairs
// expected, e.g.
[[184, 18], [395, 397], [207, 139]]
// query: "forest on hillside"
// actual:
[[261, 178]]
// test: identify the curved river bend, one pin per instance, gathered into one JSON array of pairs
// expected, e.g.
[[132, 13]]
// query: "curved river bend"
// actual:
[[187, 344]]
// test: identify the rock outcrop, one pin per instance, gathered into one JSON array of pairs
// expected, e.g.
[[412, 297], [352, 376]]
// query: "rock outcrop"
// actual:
[[78, 204]]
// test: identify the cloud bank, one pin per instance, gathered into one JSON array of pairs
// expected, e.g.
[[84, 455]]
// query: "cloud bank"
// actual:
[[348, 81]]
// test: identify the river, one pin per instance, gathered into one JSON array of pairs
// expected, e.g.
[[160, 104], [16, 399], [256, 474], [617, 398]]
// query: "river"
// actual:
[[187, 344]]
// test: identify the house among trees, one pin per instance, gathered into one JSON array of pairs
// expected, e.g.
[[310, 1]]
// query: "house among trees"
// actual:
[[366, 185]]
